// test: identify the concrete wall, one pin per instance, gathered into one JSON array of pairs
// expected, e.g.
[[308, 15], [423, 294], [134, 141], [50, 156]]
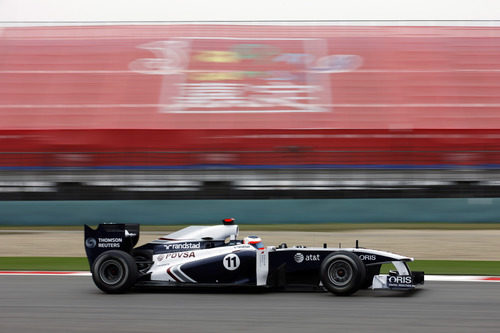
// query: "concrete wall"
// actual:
[[249, 211]]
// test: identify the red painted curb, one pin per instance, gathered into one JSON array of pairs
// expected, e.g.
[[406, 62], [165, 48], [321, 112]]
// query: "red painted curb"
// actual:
[[493, 278], [48, 273], [37, 272]]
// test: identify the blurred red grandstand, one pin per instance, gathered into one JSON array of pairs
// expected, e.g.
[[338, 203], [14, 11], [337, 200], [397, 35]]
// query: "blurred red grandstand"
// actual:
[[249, 95]]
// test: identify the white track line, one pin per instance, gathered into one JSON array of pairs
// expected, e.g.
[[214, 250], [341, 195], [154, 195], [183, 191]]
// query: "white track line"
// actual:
[[462, 278], [440, 278]]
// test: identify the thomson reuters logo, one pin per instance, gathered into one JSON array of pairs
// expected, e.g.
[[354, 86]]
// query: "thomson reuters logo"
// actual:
[[299, 257], [90, 242]]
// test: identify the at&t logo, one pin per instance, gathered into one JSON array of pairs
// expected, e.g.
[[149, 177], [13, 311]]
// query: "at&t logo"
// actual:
[[298, 257]]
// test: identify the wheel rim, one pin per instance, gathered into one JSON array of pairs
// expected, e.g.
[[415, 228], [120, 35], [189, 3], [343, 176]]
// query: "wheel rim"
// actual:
[[111, 271], [340, 273]]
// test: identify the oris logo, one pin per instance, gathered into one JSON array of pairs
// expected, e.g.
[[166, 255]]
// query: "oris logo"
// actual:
[[399, 279], [90, 242], [298, 257], [368, 257]]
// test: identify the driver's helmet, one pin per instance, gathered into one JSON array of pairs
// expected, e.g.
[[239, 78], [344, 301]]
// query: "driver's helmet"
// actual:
[[255, 241]]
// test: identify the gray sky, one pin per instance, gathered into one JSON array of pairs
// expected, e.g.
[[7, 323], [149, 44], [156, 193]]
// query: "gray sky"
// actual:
[[246, 10]]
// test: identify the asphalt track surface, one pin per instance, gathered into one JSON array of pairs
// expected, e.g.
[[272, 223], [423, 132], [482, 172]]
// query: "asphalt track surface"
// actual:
[[74, 304]]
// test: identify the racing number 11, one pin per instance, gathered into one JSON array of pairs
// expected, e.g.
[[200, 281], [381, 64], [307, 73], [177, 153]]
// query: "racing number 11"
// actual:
[[231, 262], [229, 259]]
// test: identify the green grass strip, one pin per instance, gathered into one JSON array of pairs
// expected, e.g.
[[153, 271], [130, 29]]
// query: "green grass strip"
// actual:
[[44, 263], [454, 267], [451, 267]]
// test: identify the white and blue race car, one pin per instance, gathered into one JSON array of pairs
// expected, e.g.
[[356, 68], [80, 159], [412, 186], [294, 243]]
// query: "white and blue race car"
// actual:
[[212, 256]]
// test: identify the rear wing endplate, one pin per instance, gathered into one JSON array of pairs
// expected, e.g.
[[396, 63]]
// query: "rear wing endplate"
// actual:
[[110, 236]]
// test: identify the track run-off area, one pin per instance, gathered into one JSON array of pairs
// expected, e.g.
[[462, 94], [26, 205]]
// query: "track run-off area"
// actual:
[[63, 304]]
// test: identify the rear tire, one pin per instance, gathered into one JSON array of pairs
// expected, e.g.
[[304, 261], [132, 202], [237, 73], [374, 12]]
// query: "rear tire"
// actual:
[[114, 271], [342, 273]]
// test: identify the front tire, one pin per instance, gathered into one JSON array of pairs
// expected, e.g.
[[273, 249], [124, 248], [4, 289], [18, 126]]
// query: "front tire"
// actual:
[[342, 273], [114, 271]]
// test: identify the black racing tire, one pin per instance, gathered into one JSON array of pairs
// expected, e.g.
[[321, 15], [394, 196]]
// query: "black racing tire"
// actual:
[[342, 273], [114, 272]]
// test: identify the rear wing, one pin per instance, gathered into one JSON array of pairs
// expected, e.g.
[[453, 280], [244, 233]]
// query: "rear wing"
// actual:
[[110, 236]]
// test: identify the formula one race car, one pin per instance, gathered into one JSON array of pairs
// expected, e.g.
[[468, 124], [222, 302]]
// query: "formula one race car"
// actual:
[[212, 256]]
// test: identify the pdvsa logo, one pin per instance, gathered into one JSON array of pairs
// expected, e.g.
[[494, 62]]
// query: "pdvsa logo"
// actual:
[[180, 255]]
